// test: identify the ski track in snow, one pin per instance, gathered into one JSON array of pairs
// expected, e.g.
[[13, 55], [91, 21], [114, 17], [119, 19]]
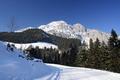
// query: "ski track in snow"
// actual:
[[13, 67], [75, 73]]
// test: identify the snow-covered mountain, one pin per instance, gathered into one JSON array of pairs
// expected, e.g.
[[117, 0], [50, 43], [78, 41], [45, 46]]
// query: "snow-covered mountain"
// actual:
[[58, 28], [62, 29], [79, 31]]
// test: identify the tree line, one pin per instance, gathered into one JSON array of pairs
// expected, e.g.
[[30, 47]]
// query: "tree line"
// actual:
[[50, 55], [99, 55]]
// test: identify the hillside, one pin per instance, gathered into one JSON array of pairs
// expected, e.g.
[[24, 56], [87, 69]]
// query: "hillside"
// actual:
[[28, 36], [13, 67], [37, 35]]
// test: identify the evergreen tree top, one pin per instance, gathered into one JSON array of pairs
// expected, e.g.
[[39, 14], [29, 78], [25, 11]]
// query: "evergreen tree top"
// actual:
[[114, 34]]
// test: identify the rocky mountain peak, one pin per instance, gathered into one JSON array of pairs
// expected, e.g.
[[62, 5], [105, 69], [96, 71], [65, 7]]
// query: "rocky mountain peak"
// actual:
[[79, 28], [63, 29], [58, 25]]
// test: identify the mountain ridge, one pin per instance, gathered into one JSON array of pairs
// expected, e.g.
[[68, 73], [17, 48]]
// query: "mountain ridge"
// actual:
[[79, 31]]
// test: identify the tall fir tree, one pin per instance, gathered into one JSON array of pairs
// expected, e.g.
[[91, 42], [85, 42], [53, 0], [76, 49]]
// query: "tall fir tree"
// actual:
[[114, 64], [113, 39]]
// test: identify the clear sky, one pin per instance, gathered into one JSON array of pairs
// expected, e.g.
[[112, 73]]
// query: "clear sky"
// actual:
[[99, 14]]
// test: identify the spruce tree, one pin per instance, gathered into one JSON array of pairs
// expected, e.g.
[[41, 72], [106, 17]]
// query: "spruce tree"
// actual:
[[114, 64], [82, 57], [91, 55], [113, 39], [72, 54]]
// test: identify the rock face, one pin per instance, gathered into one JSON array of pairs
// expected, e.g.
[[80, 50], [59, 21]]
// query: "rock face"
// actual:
[[62, 29]]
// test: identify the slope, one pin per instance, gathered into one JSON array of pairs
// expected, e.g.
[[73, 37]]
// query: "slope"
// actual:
[[36, 35], [13, 67], [75, 73]]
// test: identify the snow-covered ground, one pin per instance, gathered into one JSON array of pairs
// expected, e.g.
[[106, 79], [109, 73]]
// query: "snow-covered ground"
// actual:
[[37, 44], [76, 73], [13, 67]]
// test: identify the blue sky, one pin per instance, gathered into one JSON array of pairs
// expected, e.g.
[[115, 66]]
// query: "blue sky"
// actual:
[[98, 14]]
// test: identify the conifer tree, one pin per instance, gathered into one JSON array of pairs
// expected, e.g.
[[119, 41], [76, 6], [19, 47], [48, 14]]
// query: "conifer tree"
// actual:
[[114, 52], [82, 57], [113, 39]]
